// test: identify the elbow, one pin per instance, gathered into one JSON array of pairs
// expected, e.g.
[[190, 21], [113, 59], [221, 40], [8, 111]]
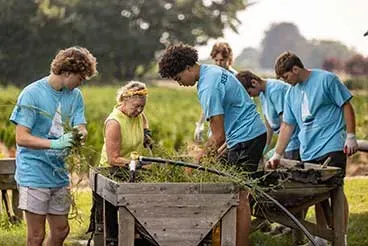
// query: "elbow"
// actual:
[[20, 140]]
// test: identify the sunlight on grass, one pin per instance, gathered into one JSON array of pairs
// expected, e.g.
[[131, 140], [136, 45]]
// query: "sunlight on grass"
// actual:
[[12, 235]]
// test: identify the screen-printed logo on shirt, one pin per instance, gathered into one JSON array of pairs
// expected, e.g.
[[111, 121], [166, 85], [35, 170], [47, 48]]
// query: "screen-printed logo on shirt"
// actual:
[[57, 128]]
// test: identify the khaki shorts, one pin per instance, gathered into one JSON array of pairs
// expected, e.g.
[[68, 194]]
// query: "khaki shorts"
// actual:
[[45, 200]]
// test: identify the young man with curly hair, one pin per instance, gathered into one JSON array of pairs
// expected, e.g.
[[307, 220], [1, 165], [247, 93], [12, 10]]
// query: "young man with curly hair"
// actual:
[[319, 104], [229, 109], [43, 108], [222, 55]]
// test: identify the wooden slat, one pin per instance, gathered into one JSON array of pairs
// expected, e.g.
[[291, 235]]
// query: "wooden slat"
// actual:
[[7, 166], [228, 228], [175, 201], [176, 188], [338, 208], [126, 227]]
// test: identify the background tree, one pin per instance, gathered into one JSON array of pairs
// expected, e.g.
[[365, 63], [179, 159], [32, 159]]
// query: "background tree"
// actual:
[[126, 36]]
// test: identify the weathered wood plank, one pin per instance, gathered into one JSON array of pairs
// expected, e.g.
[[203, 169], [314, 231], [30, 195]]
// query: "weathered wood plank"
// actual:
[[338, 210], [177, 201], [126, 227], [7, 166], [176, 188], [179, 237], [228, 228], [98, 237]]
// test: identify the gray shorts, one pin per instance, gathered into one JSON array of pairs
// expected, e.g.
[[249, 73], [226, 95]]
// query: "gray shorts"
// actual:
[[44, 201]]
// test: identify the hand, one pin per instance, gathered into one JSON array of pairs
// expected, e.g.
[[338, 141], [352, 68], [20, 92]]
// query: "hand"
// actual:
[[270, 153], [274, 162], [351, 144], [147, 142], [198, 132], [65, 141], [222, 150]]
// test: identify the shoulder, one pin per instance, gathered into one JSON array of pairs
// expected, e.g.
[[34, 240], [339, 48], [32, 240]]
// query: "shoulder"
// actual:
[[276, 86], [324, 75]]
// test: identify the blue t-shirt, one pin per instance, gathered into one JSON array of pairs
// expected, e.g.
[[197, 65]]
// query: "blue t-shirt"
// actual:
[[45, 111], [315, 105], [220, 93], [272, 101]]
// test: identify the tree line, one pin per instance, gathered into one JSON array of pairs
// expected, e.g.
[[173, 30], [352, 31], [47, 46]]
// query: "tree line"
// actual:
[[125, 36]]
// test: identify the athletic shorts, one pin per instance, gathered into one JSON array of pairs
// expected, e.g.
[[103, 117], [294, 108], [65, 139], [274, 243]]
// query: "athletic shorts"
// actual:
[[44, 201], [247, 154]]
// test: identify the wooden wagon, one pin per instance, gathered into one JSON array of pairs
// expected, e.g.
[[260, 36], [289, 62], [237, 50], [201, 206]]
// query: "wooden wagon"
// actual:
[[7, 182], [303, 185], [164, 213]]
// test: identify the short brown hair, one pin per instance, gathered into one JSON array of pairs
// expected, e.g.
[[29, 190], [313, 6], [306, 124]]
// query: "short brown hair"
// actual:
[[224, 49], [176, 59], [74, 60], [285, 62], [246, 77]]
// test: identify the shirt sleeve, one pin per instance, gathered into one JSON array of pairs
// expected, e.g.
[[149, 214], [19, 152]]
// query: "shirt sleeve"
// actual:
[[288, 115], [337, 91], [78, 117], [211, 101], [25, 111], [277, 99]]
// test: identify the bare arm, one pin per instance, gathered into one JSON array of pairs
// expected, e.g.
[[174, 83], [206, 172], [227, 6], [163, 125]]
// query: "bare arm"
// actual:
[[217, 138], [269, 133], [286, 131], [113, 138], [349, 117], [145, 121], [202, 118], [24, 138]]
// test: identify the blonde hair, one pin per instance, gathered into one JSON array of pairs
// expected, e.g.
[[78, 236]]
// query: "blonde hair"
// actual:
[[132, 89]]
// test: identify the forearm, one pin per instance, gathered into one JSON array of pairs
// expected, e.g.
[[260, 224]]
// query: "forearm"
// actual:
[[286, 131], [349, 117], [118, 161], [202, 118], [29, 141], [269, 134]]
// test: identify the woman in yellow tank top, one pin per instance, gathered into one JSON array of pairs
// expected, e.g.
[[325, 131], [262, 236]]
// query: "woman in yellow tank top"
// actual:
[[126, 126]]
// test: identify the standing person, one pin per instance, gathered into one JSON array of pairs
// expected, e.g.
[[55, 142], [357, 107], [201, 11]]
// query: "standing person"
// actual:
[[126, 128], [272, 93], [42, 110], [319, 103], [229, 109], [222, 55]]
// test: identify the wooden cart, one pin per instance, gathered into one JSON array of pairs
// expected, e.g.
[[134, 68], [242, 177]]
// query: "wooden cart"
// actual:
[[302, 187], [166, 214], [7, 182]]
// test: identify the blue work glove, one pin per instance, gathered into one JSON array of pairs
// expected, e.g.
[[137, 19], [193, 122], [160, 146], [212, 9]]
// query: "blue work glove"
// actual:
[[65, 141], [270, 153]]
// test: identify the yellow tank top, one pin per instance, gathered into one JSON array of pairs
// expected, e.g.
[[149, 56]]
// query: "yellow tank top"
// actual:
[[131, 135]]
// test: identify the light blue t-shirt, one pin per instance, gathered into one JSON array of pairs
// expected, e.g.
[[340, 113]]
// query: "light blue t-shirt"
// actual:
[[220, 93], [272, 101], [315, 105], [45, 111]]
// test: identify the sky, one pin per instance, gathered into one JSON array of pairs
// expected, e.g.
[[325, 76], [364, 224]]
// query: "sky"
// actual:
[[341, 20]]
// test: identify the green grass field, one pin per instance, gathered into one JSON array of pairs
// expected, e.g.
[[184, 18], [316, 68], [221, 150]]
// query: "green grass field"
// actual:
[[172, 113], [357, 231]]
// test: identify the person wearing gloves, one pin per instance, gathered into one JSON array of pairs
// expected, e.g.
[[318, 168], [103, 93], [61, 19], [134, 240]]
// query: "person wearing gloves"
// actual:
[[222, 55], [126, 128], [272, 93], [43, 109], [319, 104], [230, 111]]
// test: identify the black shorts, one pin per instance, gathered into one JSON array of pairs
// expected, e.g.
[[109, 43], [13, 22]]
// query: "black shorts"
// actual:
[[292, 155], [338, 159], [247, 154]]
